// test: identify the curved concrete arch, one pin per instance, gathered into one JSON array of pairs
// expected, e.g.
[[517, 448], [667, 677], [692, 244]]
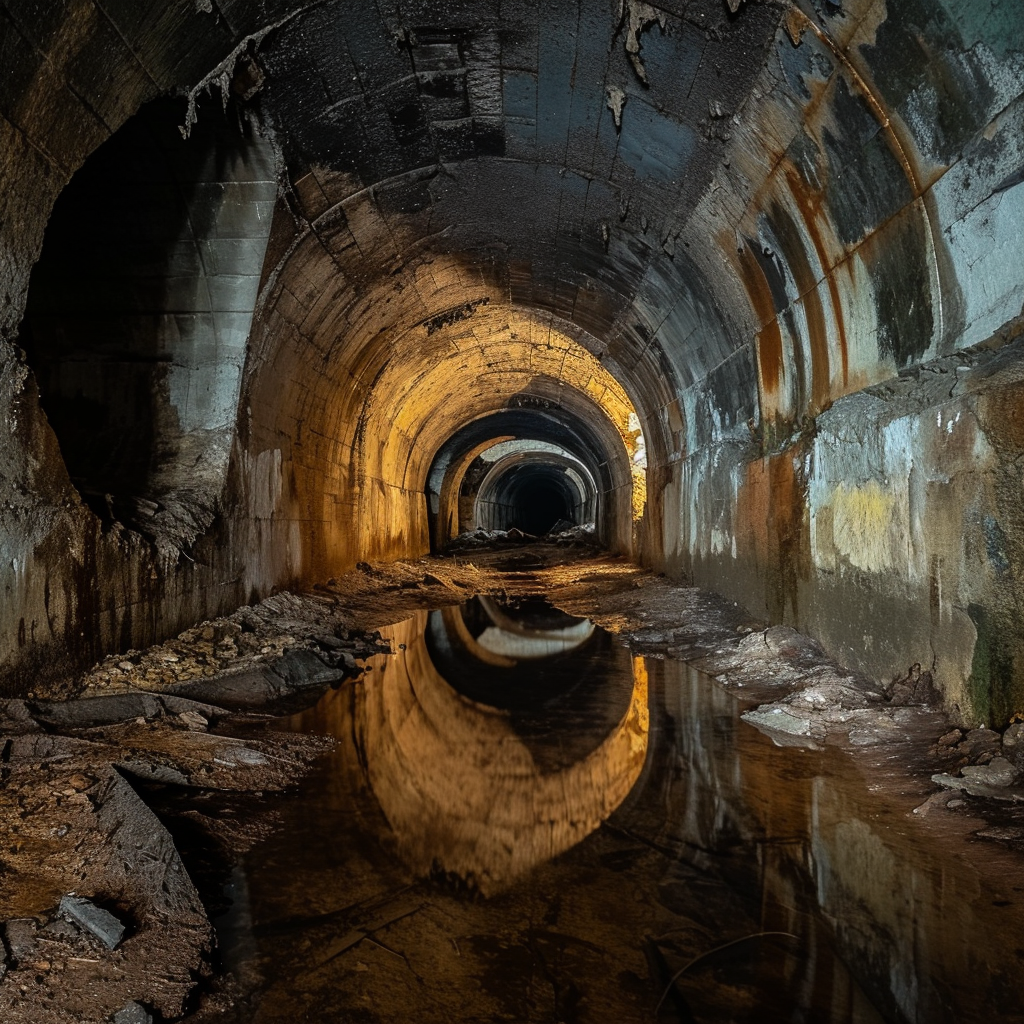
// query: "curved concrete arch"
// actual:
[[584, 432], [790, 235], [500, 502]]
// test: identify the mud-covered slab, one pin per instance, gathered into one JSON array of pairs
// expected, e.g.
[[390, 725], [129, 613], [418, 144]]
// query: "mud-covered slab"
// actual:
[[296, 674], [90, 712]]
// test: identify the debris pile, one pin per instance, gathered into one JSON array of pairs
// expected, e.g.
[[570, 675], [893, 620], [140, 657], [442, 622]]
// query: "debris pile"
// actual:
[[245, 641], [983, 763], [562, 533]]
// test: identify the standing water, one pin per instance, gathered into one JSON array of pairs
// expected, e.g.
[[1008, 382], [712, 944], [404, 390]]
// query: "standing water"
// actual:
[[521, 822]]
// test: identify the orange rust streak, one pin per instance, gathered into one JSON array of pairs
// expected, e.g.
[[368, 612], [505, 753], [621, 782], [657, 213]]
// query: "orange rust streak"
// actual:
[[810, 208], [876, 106], [796, 258], [769, 338]]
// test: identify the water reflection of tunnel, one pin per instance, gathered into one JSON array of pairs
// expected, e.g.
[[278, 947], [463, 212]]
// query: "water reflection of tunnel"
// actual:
[[515, 657], [499, 735]]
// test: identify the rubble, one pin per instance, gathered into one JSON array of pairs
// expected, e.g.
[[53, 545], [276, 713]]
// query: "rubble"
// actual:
[[102, 917], [255, 639], [562, 533], [107, 928]]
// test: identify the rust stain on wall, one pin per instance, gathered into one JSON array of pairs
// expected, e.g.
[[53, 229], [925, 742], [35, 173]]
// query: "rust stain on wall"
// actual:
[[796, 258], [772, 514], [809, 204], [770, 365]]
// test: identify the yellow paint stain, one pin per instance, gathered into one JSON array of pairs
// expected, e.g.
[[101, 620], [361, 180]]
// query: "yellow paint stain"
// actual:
[[866, 525]]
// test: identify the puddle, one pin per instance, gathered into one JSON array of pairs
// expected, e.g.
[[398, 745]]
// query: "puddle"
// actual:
[[521, 822]]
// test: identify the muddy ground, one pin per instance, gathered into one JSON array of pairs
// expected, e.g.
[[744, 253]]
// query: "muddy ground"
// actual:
[[109, 779]]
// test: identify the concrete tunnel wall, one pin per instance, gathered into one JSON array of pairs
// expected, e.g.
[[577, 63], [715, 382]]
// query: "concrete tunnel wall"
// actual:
[[791, 233]]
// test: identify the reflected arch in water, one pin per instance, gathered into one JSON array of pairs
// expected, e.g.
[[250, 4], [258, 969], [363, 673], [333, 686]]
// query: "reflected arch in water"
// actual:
[[506, 639], [461, 788]]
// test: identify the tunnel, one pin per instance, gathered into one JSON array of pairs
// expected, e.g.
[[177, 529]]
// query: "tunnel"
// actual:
[[244, 321], [726, 293], [534, 491]]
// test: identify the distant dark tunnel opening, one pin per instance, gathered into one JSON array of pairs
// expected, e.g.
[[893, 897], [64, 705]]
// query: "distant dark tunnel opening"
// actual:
[[577, 450], [532, 497], [537, 505]]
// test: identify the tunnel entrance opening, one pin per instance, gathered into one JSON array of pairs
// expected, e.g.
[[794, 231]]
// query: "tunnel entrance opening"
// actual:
[[535, 491], [537, 465]]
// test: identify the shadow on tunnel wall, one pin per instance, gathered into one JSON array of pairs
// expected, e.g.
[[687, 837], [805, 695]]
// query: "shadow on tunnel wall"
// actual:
[[136, 322]]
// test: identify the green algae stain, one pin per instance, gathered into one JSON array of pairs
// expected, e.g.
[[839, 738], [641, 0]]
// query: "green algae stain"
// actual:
[[994, 690]]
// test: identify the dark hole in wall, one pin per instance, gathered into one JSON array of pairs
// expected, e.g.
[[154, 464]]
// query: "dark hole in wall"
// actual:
[[124, 289]]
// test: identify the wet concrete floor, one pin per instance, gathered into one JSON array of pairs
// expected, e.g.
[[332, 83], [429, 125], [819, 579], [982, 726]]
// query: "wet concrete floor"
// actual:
[[520, 818], [522, 822]]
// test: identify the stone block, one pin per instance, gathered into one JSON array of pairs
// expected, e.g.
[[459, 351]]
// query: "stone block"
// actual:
[[107, 928]]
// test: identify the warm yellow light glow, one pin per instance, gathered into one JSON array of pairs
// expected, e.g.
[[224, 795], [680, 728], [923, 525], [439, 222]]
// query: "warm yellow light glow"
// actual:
[[433, 385]]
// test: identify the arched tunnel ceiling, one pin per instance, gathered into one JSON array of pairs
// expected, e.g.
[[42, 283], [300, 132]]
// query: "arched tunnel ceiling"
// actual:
[[558, 151], [748, 217], [670, 178]]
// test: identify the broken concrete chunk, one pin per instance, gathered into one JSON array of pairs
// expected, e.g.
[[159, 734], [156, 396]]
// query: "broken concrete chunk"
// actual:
[[998, 772], [1013, 738], [94, 919], [916, 687], [1008, 833], [979, 742], [90, 712], [332, 642], [16, 718], [133, 1013], [294, 672], [974, 787], [20, 933], [784, 726]]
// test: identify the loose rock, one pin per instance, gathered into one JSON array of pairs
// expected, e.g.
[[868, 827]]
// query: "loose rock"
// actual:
[[107, 928]]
